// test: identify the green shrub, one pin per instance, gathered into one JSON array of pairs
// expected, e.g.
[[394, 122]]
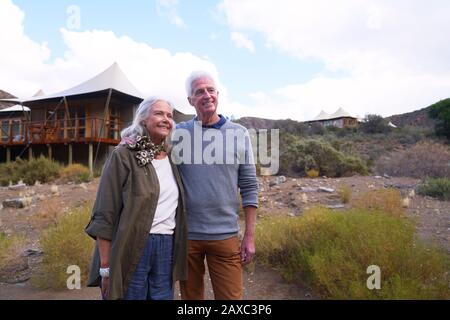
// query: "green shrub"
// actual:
[[331, 251], [41, 169], [303, 155], [438, 188], [9, 172], [374, 124], [63, 245], [75, 173]]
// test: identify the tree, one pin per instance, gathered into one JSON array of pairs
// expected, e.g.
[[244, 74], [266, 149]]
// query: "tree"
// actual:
[[441, 112], [374, 124]]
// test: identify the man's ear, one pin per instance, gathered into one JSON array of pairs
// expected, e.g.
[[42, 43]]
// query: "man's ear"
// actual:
[[190, 101]]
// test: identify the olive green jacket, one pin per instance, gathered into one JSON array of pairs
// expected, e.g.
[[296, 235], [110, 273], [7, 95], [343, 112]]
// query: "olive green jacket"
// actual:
[[123, 213]]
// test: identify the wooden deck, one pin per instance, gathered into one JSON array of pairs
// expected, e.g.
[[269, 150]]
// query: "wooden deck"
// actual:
[[21, 132]]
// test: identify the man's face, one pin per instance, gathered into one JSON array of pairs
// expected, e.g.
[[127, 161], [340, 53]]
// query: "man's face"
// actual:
[[204, 97]]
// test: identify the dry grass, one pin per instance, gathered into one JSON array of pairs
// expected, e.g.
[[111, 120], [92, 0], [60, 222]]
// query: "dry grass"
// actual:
[[11, 247], [345, 193], [65, 244], [47, 215], [331, 251], [385, 200], [75, 173]]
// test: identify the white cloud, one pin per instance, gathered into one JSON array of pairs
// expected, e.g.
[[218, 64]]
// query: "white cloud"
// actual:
[[241, 41], [393, 55], [169, 8], [25, 68]]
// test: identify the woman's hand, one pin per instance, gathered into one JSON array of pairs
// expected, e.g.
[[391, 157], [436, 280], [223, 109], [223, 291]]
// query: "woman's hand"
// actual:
[[105, 288]]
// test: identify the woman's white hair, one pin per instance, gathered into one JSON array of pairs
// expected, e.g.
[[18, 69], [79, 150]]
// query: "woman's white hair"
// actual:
[[137, 128], [194, 76]]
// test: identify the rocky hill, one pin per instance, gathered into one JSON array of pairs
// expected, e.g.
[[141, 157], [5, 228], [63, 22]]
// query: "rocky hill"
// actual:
[[418, 118]]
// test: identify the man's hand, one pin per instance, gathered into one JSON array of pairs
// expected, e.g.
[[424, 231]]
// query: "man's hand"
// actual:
[[248, 242], [247, 249]]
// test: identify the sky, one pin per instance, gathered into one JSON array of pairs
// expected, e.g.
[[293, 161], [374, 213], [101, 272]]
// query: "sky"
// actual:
[[271, 59]]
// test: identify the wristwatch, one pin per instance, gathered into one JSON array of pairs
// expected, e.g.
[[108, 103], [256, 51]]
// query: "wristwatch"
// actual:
[[104, 272]]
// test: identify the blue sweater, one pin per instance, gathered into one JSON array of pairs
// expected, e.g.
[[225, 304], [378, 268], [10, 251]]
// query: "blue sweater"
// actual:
[[214, 163]]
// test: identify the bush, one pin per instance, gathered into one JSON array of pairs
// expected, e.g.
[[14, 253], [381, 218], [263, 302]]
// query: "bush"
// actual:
[[386, 200], [374, 124], [10, 253], [303, 155], [63, 245], [75, 173], [423, 160], [438, 188], [40, 169], [441, 111], [331, 251], [345, 193], [9, 173], [311, 173]]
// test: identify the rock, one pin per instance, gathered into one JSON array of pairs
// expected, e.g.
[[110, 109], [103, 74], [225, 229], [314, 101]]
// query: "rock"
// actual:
[[308, 189], [405, 202], [272, 183], [336, 206], [281, 179], [83, 186], [412, 193], [17, 202], [31, 252], [378, 177], [290, 214], [37, 183], [304, 197], [54, 189], [386, 176], [19, 186], [323, 189]]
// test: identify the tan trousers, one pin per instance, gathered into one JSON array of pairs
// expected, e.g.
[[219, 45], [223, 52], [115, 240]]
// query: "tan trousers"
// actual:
[[224, 265]]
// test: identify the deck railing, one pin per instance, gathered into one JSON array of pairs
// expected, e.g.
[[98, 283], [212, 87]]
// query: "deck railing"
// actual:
[[19, 132]]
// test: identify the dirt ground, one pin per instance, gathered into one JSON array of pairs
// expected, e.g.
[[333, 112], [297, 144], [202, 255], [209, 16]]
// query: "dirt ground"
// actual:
[[279, 195]]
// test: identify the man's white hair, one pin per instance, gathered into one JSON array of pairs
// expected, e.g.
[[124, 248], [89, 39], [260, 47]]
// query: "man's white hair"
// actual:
[[194, 76]]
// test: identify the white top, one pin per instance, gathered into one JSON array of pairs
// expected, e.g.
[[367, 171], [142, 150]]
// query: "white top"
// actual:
[[164, 220]]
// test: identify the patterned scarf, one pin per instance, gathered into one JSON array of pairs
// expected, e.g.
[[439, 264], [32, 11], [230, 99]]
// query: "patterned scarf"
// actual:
[[145, 149]]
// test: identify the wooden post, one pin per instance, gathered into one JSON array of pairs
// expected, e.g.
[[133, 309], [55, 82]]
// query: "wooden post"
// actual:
[[91, 159], [49, 148], [70, 154], [30, 153], [8, 155]]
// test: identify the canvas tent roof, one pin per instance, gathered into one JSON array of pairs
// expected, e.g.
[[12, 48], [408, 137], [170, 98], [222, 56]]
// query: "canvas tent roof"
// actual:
[[340, 113], [111, 78], [322, 116], [16, 108]]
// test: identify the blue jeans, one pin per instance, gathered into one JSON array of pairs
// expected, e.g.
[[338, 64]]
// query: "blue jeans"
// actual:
[[152, 279]]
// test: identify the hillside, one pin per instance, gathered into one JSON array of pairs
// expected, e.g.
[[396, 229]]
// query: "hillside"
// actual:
[[418, 118]]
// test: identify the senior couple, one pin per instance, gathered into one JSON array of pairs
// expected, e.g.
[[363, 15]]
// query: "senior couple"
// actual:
[[155, 221]]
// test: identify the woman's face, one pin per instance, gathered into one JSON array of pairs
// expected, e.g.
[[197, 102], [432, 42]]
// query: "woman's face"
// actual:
[[160, 121]]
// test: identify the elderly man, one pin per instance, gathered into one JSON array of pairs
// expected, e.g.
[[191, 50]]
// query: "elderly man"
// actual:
[[212, 202]]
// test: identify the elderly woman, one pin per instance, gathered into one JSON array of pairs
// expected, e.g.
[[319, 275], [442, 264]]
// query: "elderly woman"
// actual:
[[138, 218]]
